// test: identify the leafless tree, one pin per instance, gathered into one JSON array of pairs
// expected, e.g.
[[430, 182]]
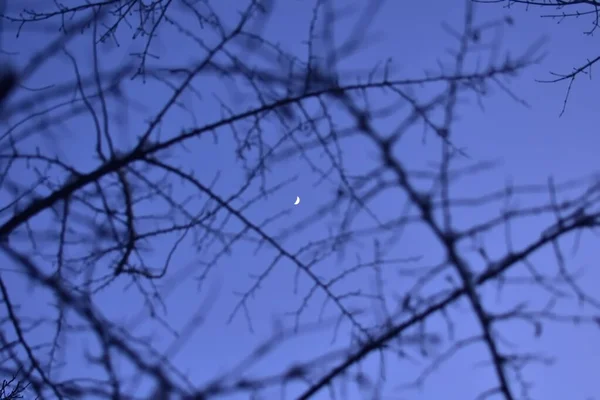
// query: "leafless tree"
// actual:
[[74, 228], [12, 389], [588, 11]]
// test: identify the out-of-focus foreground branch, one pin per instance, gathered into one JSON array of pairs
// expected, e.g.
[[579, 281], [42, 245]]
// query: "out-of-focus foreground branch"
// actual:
[[104, 188], [559, 11]]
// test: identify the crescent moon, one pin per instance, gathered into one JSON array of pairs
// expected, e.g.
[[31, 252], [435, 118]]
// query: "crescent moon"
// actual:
[[297, 201]]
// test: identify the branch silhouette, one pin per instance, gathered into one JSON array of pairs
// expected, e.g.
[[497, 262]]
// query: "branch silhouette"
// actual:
[[126, 206], [561, 11]]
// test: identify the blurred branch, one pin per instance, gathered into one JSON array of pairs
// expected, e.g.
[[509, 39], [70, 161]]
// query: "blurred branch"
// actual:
[[564, 10], [80, 219]]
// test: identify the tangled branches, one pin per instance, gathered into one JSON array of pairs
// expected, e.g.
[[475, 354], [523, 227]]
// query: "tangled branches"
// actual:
[[122, 191], [561, 11]]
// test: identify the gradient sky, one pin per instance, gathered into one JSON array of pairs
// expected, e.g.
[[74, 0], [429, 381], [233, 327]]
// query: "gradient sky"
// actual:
[[528, 143]]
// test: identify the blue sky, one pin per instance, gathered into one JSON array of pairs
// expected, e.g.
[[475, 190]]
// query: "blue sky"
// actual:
[[527, 144]]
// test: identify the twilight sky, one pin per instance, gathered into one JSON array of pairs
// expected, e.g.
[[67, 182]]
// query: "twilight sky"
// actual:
[[213, 268]]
